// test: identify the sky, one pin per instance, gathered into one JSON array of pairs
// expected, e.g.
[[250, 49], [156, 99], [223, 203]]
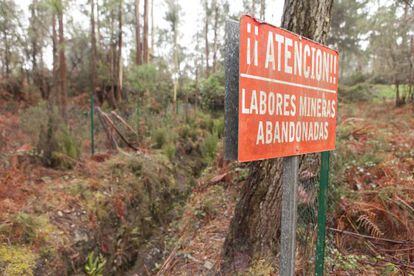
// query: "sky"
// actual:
[[190, 23]]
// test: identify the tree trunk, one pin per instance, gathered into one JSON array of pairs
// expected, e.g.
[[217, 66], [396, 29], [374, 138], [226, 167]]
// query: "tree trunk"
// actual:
[[255, 228], [263, 10], [146, 52], [216, 23], [34, 37], [6, 54], [98, 30], [62, 65], [207, 50], [37, 76], [120, 62], [176, 65], [410, 81], [93, 46], [397, 94], [138, 55], [152, 28], [56, 91], [253, 7], [112, 53]]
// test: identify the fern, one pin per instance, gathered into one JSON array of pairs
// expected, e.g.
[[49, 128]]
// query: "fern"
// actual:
[[367, 223]]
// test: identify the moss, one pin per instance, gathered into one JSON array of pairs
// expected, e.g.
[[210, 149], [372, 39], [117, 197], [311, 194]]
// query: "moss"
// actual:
[[96, 205], [28, 228], [16, 260], [78, 187]]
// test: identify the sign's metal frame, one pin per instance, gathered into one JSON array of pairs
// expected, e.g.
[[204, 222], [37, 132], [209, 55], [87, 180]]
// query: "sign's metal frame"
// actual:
[[290, 164], [232, 41]]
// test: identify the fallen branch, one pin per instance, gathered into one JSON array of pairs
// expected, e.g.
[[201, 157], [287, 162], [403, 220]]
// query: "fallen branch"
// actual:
[[397, 249], [405, 204], [105, 126], [124, 122], [169, 259], [367, 236], [111, 123]]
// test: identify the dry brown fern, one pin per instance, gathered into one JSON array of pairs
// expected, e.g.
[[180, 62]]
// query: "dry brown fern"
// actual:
[[367, 223]]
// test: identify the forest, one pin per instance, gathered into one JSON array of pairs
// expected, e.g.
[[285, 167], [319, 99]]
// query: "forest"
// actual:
[[112, 130]]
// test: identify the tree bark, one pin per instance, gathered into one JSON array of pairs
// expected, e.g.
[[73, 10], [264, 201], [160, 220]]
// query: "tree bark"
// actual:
[[207, 50], [62, 64], [146, 52], [254, 7], [410, 81], [56, 91], [176, 62], [263, 10], [6, 54], [398, 101], [98, 30], [38, 77], [138, 55], [216, 26], [152, 28], [33, 37], [112, 61], [93, 52], [255, 228], [120, 62]]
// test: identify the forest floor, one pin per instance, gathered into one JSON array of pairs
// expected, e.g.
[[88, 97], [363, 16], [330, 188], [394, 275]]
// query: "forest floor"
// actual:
[[371, 198], [46, 213]]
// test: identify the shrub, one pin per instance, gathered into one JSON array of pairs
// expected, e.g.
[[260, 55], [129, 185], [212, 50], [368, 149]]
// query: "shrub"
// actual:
[[169, 150], [356, 77], [33, 119], [361, 92], [142, 77], [56, 145], [209, 147], [218, 127], [154, 78], [203, 121], [184, 131], [68, 144], [212, 91], [159, 137], [26, 228]]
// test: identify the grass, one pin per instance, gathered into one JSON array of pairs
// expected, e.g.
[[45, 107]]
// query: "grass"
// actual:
[[387, 91]]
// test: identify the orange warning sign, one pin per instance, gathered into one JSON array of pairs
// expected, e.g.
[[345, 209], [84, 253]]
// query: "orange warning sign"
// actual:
[[287, 93]]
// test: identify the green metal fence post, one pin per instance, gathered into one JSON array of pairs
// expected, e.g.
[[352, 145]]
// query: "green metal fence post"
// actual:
[[92, 125], [322, 205]]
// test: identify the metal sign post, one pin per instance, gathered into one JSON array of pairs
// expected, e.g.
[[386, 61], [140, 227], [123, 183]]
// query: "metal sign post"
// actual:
[[288, 223], [322, 204], [92, 125]]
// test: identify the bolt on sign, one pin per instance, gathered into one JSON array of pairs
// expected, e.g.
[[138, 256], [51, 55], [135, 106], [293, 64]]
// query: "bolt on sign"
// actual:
[[287, 98]]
